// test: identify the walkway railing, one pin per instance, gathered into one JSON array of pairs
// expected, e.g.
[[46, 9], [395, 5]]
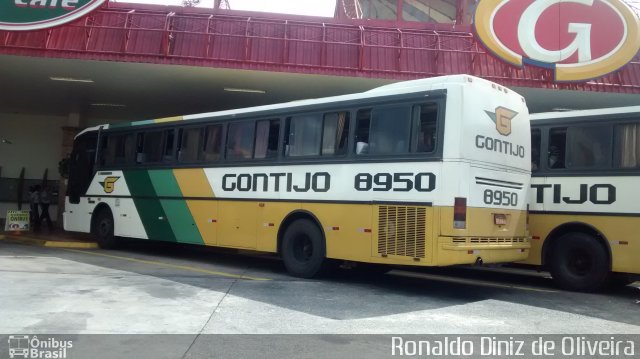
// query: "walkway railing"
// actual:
[[231, 41]]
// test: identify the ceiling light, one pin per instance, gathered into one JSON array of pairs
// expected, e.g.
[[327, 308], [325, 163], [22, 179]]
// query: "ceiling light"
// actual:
[[108, 105], [232, 89], [70, 79]]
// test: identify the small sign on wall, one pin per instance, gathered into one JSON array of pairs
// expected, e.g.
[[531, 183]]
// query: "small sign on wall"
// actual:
[[17, 221]]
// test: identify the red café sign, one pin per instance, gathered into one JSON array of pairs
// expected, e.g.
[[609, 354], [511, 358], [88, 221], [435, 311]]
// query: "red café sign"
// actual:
[[578, 39]]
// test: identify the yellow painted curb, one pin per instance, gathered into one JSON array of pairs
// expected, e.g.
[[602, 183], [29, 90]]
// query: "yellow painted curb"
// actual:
[[47, 243], [77, 245]]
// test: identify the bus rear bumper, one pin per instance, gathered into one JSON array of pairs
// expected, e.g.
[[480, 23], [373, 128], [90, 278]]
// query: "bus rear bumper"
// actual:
[[457, 250]]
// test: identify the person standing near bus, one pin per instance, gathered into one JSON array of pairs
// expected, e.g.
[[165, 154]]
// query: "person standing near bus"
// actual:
[[34, 202], [45, 201]]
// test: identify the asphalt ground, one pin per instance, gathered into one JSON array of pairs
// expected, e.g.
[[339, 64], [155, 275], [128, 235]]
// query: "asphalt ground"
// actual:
[[157, 288]]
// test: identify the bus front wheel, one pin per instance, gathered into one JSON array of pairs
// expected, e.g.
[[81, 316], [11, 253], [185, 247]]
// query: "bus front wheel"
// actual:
[[578, 262], [103, 229], [303, 249]]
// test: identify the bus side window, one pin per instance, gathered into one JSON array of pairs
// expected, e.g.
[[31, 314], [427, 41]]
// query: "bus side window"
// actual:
[[211, 143], [304, 135], [240, 140], [589, 146], [267, 133], [628, 145], [117, 149], [150, 147], [557, 147], [425, 133], [536, 137], [390, 129], [126, 153], [168, 145], [189, 144], [335, 133], [139, 155], [363, 121]]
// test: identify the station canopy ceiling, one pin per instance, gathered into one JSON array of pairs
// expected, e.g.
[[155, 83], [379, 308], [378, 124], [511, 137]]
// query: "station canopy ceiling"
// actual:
[[134, 91]]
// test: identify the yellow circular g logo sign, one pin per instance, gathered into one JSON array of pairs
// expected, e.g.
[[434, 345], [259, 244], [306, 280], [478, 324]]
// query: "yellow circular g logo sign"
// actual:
[[577, 39]]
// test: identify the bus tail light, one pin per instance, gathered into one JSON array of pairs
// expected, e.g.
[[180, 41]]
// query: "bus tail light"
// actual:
[[460, 213]]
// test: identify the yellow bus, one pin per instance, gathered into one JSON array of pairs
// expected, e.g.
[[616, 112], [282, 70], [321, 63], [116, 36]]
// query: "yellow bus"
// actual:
[[584, 198], [427, 172]]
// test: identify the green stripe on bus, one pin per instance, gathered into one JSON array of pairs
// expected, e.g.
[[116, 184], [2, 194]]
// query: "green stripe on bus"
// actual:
[[143, 122], [180, 218], [153, 216], [120, 124]]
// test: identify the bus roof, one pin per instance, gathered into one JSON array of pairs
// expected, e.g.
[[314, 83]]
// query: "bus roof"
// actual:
[[391, 89], [584, 113]]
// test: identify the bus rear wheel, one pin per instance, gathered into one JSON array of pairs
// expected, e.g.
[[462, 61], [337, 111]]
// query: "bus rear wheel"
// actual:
[[103, 229], [303, 249], [578, 262]]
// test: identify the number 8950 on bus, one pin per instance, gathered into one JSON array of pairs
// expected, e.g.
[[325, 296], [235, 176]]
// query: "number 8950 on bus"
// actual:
[[500, 198]]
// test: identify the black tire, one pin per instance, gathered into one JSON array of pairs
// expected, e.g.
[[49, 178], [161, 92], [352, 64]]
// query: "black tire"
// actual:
[[102, 229], [579, 262], [303, 249]]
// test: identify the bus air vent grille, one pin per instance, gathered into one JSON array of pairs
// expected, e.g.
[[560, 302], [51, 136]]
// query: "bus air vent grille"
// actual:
[[402, 231]]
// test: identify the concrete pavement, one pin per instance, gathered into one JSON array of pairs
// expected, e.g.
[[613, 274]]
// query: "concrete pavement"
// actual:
[[167, 289]]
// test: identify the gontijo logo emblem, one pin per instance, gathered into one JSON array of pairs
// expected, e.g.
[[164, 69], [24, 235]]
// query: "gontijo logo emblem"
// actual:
[[502, 118], [578, 39], [40, 14], [109, 184]]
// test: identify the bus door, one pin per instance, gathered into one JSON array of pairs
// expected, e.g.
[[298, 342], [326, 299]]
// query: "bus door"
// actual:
[[81, 165]]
